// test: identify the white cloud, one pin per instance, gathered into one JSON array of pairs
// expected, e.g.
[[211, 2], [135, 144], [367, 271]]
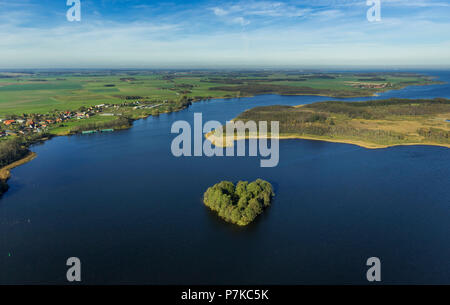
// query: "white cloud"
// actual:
[[174, 40], [219, 12], [415, 3], [241, 20], [261, 8]]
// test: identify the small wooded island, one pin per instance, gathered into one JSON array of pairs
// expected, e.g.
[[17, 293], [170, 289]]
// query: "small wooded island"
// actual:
[[239, 204]]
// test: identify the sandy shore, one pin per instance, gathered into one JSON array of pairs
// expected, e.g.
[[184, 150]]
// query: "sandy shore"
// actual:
[[229, 141], [5, 171]]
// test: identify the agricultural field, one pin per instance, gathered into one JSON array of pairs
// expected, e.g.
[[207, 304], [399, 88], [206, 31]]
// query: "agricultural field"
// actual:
[[41, 92]]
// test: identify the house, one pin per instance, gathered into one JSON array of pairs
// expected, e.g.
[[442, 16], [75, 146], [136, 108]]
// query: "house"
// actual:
[[9, 122], [30, 123]]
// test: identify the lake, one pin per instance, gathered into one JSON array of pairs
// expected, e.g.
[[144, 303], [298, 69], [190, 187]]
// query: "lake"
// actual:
[[133, 213]]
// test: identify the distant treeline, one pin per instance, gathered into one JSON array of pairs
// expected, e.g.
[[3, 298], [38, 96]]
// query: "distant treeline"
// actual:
[[240, 81], [130, 97], [264, 79], [258, 89], [399, 74], [373, 79], [239, 204], [379, 109]]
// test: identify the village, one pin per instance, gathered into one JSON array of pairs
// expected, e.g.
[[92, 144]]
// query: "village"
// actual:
[[27, 124]]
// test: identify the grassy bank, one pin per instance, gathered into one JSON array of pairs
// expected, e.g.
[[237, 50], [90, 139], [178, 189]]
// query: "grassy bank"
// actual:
[[95, 123]]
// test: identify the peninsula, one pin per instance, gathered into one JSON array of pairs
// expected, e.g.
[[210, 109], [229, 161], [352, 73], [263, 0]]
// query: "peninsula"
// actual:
[[370, 124], [37, 105]]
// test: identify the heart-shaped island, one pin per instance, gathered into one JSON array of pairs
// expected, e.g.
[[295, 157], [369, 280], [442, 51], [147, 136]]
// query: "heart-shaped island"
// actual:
[[239, 204]]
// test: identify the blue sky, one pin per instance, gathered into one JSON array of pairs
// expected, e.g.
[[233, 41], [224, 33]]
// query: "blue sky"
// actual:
[[153, 34]]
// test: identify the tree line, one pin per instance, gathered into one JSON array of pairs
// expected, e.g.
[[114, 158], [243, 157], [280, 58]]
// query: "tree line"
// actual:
[[380, 109], [118, 123], [11, 151]]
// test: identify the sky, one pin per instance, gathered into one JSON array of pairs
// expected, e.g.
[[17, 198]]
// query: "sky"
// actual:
[[215, 34]]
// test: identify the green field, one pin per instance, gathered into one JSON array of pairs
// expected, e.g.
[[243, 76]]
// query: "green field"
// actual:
[[42, 92], [67, 127]]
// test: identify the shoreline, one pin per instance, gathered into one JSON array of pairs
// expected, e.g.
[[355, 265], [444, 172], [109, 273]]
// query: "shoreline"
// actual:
[[229, 142], [5, 172]]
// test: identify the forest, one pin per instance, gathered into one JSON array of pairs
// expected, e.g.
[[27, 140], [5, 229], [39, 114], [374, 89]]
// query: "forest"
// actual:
[[12, 150], [257, 89], [377, 123], [239, 204]]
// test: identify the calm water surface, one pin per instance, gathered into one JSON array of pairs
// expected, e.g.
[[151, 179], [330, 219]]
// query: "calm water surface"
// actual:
[[133, 213]]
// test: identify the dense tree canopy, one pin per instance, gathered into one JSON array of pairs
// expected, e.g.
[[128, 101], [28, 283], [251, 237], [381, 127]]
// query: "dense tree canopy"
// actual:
[[11, 150], [376, 122], [239, 204]]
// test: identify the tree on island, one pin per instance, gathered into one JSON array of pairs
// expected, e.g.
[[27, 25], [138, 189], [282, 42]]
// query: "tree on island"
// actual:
[[239, 204]]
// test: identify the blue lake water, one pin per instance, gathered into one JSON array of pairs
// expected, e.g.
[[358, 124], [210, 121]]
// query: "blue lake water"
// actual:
[[133, 213]]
